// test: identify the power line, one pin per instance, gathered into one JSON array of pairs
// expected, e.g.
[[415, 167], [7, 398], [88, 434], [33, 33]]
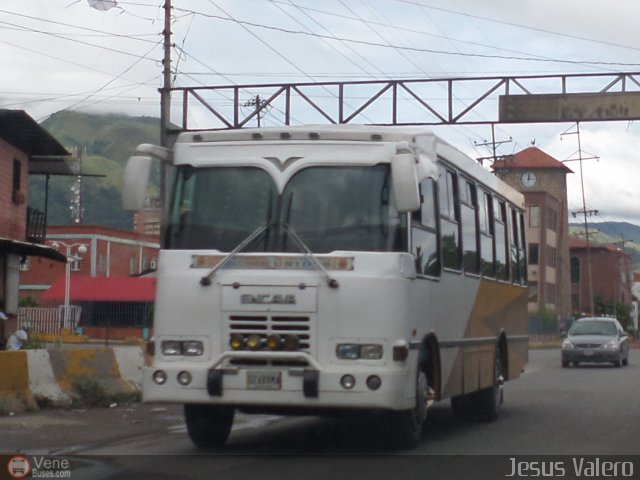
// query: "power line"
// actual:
[[93, 30], [329, 44], [246, 24], [518, 25], [412, 30], [62, 37]]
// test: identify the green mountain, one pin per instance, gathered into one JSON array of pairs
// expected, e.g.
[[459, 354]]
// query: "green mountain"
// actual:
[[104, 142], [614, 232]]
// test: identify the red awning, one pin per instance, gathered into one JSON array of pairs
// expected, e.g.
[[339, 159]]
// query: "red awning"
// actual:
[[84, 288]]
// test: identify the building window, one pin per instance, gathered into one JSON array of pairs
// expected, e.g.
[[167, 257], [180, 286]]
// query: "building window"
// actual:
[[76, 265], [533, 253], [25, 263], [16, 195], [132, 266], [575, 270], [551, 293], [552, 220], [534, 216], [533, 292], [551, 257]]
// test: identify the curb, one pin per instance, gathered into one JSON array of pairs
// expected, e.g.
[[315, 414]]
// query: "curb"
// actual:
[[32, 376]]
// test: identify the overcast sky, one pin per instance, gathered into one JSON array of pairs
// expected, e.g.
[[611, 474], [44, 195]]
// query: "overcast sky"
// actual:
[[63, 54]]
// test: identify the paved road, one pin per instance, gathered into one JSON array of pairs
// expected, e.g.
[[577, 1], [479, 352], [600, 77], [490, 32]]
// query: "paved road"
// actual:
[[590, 410]]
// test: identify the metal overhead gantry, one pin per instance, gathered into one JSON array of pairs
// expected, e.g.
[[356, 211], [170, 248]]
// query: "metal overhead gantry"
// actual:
[[448, 101]]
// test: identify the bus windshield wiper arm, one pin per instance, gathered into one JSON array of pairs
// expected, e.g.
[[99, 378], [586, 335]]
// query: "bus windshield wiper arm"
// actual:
[[332, 282], [206, 280]]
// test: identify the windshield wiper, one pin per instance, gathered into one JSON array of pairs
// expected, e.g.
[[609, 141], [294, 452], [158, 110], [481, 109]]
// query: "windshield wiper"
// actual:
[[206, 280], [331, 282]]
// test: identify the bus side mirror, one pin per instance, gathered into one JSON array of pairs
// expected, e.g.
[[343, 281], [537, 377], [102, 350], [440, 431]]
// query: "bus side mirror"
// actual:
[[136, 177], [405, 182]]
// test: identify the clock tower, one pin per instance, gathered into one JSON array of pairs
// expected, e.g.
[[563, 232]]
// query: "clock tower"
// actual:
[[542, 180]]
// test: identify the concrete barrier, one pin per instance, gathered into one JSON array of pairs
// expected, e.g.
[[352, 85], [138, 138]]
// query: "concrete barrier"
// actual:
[[14, 381], [30, 377]]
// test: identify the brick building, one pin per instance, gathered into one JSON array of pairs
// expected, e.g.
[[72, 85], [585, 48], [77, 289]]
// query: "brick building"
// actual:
[[611, 276], [109, 253], [542, 180], [25, 149]]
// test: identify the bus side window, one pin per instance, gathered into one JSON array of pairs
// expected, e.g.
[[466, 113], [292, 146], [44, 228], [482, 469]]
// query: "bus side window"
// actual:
[[424, 232], [468, 217], [514, 242], [485, 215], [523, 249], [449, 219], [500, 239]]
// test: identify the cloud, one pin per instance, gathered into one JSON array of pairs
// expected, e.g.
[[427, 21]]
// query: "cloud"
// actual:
[[610, 184]]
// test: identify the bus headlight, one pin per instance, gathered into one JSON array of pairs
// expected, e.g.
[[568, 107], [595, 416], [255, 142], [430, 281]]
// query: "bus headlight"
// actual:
[[356, 351], [190, 348], [348, 351], [371, 352], [171, 347]]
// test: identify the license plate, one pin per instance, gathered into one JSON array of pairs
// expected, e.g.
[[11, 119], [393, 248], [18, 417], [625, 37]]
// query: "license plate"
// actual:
[[264, 380], [588, 353]]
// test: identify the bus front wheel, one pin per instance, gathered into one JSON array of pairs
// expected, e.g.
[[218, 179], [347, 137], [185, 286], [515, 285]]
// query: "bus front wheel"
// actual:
[[405, 426], [208, 426]]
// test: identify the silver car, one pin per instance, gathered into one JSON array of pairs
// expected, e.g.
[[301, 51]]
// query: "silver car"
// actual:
[[596, 339]]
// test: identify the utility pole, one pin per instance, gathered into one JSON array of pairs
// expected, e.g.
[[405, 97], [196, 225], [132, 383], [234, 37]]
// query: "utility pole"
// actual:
[[586, 213], [165, 103], [259, 105], [76, 209], [493, 143]]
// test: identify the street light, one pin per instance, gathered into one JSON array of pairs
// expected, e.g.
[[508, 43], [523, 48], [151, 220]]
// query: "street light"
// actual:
[[82, 249]]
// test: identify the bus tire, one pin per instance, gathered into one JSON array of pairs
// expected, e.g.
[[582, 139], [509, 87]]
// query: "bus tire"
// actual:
[[484, 404], [405, 426], [488, 401], [208, 426]]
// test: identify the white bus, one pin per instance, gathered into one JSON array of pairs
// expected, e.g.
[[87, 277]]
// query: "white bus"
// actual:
[[319, 269]]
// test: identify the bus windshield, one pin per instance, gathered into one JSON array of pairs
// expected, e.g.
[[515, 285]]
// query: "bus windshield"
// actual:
[[329, 207]]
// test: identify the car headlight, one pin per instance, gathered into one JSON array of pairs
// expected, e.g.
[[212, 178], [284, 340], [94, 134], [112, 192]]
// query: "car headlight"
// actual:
[[611, 345], [567, 344], [355, 351]]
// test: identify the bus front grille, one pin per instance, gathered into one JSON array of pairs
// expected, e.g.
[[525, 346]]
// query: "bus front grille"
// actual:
[[263, 326]]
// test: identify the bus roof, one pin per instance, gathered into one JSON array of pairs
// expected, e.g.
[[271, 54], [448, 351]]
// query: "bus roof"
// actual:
[[425, 139]]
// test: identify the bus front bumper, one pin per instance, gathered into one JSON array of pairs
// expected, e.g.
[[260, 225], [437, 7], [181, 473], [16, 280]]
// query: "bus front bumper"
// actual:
[[308, 387]]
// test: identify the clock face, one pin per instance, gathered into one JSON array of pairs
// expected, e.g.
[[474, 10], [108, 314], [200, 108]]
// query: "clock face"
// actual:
[[528, 179]]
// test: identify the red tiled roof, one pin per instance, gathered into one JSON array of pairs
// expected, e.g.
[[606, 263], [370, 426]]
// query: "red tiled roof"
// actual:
[[531, 157], [103, 289], [579, 243]]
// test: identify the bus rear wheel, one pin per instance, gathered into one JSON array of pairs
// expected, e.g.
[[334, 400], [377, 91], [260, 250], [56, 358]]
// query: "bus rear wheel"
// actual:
[[484, 404], [489, 400], [208, 426]]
